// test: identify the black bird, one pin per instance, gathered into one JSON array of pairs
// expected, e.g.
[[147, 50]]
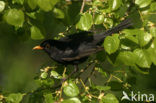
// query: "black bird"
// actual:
[[75, 49]]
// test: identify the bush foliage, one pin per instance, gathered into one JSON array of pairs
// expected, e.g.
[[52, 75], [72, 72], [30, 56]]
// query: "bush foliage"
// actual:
[[127, 54]]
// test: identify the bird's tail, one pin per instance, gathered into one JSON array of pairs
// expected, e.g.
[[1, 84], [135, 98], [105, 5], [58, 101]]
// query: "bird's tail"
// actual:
[[124, 24]]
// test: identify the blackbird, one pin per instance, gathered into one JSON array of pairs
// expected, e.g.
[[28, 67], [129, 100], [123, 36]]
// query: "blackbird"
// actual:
[[76, 48]]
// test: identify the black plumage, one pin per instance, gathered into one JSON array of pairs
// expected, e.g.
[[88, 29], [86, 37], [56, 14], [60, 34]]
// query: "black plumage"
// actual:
[[76, 48]]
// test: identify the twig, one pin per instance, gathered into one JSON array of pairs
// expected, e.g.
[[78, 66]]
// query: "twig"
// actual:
[[84, 86], [83, 70], [63, 81], [109, 78], [92, 71], [82, 6], [117, 78], [141, 16], [86, 90]]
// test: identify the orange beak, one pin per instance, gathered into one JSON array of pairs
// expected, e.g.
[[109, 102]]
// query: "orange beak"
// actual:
[[37, 48]]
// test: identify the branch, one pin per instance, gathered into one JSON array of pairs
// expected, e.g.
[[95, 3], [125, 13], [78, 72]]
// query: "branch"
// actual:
[[82, 6]]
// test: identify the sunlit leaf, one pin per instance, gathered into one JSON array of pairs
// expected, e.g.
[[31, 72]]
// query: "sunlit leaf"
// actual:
[[98, 19], [152, 51], [111, 43], [2, 6], [144, 38], [14, 98], [104, 88], [71, 89], [18, 1], [142, 3], [108, 23], [153, 31], [55, 75], [130, 32], [72, 100], [32, 3], [143, 59], [14, 17], [48, 98], [114, 4], [58, 13], [110, 98], [36, 33], [85, 22], [153, 6], [127, 58], [44, 75], [47, 5]]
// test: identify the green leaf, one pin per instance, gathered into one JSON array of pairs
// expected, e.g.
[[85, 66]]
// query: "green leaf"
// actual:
[[136, 18], [153, 6], [54, 2], [18, 1], [46, 82], [153, 31], [111, 43], [144, 38], [71, 89], [104, 88], [131, 32], [151, 17], [152, 51], [143, 59], [114, 4], [110, 98], [47, 5], [122, 10], [101, 56], [58, 13], [48, 98], [98, 19], [14, 98], [85, 22], [108, 22], [36, 33], [142, 3], [2, 6], [14, 17], [31, 15], [126, 57], [44, 75], [72, 100], [32, 3], [129, 42], [97, 3], [55, 75]]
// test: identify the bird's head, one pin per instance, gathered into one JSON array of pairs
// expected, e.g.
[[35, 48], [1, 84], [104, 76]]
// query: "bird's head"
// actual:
[[45, 45]]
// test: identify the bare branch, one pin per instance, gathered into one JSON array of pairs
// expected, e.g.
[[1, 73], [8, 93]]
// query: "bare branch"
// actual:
[[82, 6]]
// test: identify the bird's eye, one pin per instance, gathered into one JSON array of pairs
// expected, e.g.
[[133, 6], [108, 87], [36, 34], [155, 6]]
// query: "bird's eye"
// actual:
[[47, 46]]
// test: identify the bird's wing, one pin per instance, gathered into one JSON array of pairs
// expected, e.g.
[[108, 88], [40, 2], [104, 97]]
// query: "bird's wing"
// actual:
[[76, 36], [84, 53]]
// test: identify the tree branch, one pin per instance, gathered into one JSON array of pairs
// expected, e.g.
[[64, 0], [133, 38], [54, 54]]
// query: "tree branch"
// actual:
[[82, 6]]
